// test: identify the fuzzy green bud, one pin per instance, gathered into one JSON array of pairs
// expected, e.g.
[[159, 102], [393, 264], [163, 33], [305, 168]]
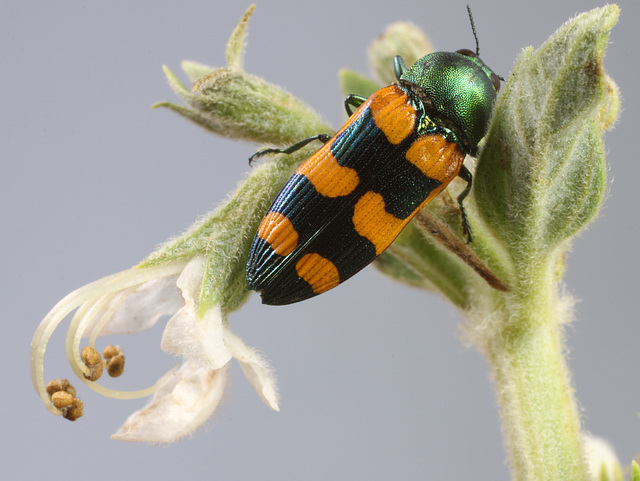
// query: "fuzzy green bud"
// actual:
[[401, 38], [232, 103]]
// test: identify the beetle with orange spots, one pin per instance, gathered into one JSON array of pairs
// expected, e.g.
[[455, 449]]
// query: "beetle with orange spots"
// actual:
[[348, 202]]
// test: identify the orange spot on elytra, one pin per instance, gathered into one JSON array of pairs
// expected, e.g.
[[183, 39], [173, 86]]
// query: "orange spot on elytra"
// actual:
[[276, 229], [393, 114], [436, 157], [372, 221], [319, 272], [327, 176]]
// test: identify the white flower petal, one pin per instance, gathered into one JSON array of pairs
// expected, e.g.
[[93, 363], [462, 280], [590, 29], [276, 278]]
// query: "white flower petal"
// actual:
[[190, 281], [256, 369], [184, 401], [199, 340], [141, 309]]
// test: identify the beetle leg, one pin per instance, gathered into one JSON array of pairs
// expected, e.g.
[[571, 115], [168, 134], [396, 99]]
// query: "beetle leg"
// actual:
[[290, 150], [353, 101], [465, 174]]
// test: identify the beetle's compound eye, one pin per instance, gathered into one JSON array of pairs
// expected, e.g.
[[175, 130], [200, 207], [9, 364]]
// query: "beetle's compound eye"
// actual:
[[466, 52]]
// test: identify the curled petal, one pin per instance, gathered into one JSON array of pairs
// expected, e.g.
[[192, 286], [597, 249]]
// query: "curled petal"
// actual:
[[183, 402], [142, 308], [256, 369], [200, 340]]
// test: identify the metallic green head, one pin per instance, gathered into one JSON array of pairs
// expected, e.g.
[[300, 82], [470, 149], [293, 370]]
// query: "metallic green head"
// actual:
[[458, 88]]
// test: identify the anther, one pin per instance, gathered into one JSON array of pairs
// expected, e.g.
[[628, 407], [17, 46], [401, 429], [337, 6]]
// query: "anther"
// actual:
[[62, 395], [93, 361], [114, 359]]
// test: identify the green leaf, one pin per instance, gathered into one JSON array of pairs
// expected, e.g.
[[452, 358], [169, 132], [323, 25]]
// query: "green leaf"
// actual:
[[236, 43], [609, 112], [421, 262], [635, 472], [541, 174], [357, 84], [195, 70]]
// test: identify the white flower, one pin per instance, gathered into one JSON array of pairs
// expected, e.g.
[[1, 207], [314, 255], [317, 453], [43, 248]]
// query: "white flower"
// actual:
[[131, 301]]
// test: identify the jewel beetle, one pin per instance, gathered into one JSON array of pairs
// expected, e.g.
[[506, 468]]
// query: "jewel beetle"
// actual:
[[398, 150]]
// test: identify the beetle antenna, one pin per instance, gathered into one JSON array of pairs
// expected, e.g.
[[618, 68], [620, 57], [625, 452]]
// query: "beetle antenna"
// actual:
[[473, 29]]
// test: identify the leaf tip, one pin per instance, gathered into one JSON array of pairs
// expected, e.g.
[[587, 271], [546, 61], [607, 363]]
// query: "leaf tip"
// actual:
[[236, 43]]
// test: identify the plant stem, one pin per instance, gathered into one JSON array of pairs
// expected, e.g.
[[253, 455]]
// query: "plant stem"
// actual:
[[539, 411]]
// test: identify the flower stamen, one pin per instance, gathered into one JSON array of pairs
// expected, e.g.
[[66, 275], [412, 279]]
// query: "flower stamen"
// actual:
[[62, 395], [93, 361], [89, 301], [114, 360]]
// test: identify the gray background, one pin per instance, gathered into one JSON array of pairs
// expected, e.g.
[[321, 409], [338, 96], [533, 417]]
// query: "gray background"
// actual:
[[375, 383]]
